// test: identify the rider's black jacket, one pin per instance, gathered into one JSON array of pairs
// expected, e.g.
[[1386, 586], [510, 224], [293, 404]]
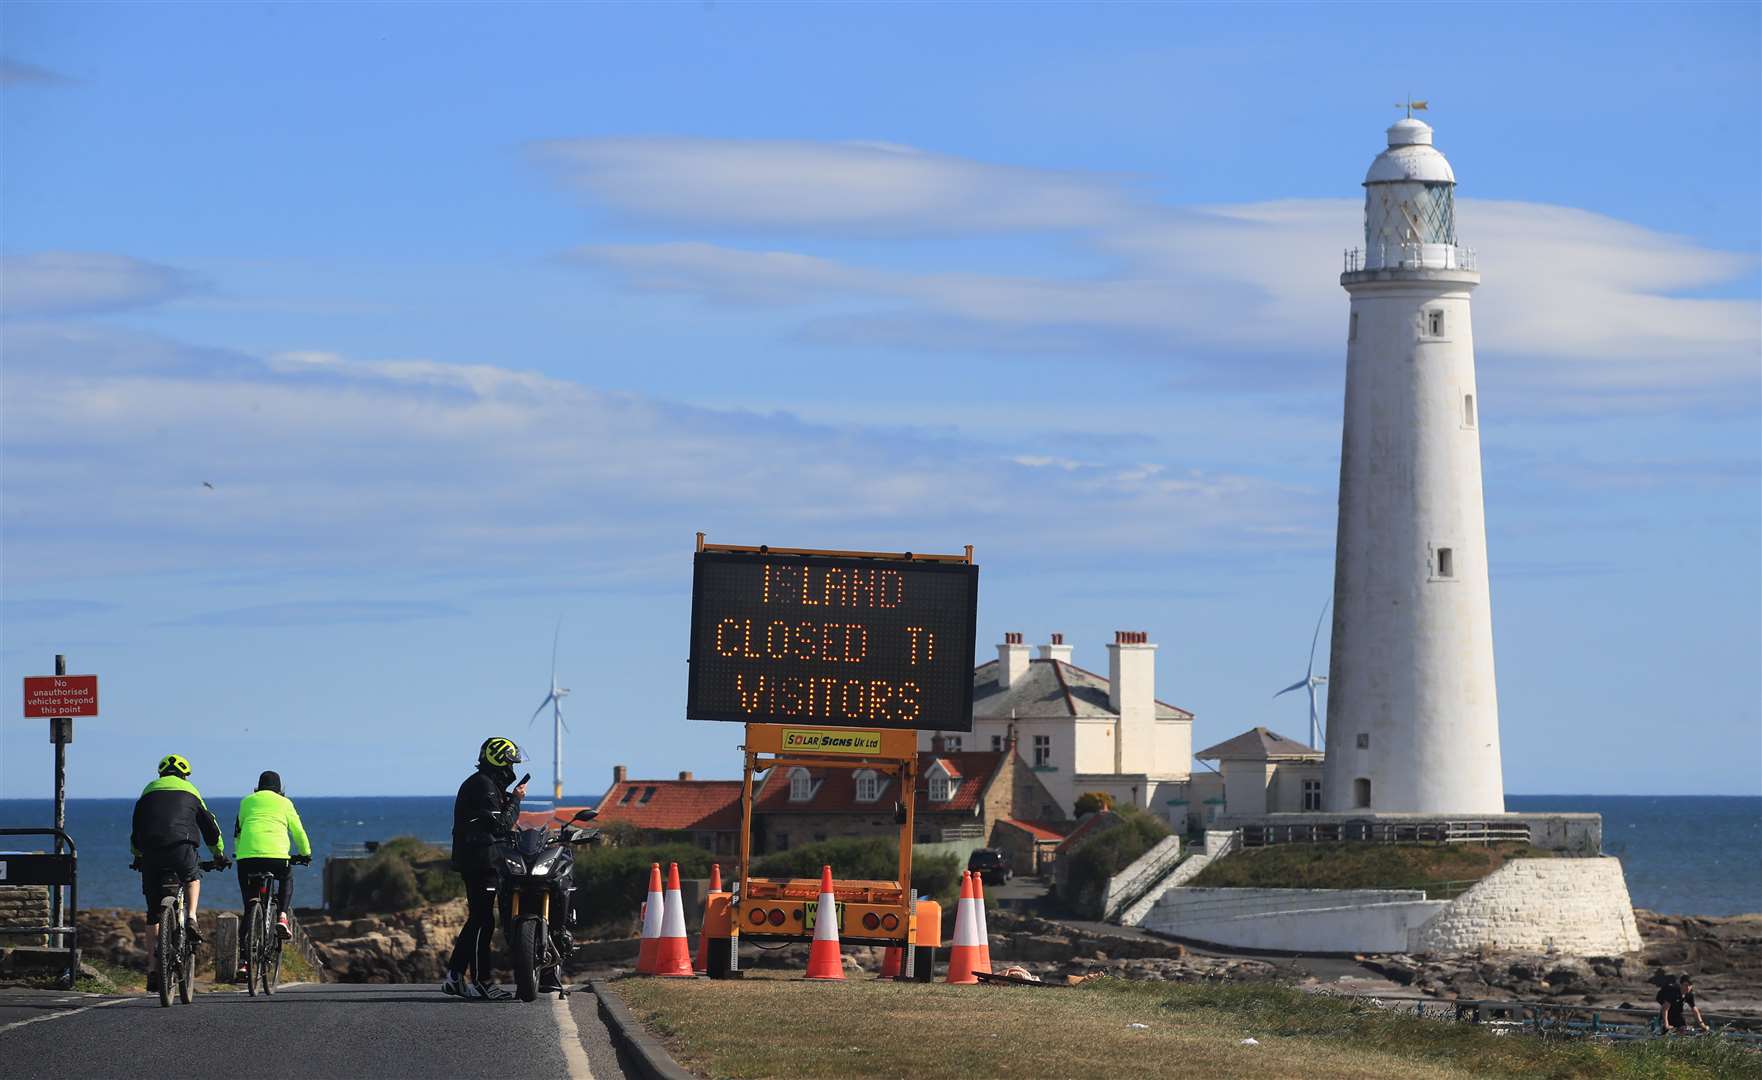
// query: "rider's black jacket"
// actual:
[[482, 814], [170, 812]]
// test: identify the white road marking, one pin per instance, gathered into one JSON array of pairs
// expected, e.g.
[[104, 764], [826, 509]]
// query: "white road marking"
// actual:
[[60, 1015], [574, 1054]]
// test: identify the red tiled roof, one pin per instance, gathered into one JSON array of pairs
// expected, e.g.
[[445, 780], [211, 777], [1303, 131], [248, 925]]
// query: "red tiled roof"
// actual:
[[673, 804], [835, 790], [1037, 830]]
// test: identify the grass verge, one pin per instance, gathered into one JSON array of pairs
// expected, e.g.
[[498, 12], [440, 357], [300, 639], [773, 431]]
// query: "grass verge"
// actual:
[[785, 1027], [1360, 866]]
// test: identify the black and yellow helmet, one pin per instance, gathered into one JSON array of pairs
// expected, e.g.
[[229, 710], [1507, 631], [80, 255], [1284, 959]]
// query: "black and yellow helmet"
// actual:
[[174, 765], [499, 752]]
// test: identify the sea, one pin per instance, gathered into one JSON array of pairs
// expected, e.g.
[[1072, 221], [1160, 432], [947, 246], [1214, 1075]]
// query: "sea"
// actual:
[[1682, 854]]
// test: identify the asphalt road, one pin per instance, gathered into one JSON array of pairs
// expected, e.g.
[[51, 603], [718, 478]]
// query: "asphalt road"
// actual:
[[386, 1032]]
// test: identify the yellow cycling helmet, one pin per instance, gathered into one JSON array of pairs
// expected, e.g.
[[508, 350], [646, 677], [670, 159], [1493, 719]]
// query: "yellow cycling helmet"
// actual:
[[499, 752], [174, 765]]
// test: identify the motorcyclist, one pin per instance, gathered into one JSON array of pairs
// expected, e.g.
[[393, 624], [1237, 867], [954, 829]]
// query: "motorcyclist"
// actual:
[[170, 821], [483, 813], [267, 821]]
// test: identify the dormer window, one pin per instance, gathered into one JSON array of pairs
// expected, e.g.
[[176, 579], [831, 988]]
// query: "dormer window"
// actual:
[[801, 785], [942, 788], [868, 785]]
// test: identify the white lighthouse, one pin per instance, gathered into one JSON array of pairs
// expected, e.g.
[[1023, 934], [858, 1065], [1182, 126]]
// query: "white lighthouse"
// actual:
[[1413, 715]]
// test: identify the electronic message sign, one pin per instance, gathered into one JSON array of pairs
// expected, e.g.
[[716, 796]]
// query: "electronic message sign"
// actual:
[[779, 638]]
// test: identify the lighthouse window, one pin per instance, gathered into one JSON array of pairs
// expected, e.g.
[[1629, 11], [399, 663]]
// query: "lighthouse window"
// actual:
[[1446, 563], [1468, 410], [1361, 792], [1434, 324], [1364, 740], [1352, 331]]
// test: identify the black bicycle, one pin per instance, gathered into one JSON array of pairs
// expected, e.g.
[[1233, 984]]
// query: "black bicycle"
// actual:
[[262, 940], [177, 952]]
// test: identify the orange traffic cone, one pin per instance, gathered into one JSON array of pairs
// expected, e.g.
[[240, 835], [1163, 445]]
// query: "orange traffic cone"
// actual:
[[890, 961], [702, 964], [964, 955], [651, 924], [824, 959], [984, 927], [673, 951]]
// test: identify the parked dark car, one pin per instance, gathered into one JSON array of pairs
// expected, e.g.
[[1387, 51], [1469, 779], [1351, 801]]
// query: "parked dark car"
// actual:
[[993, 865]]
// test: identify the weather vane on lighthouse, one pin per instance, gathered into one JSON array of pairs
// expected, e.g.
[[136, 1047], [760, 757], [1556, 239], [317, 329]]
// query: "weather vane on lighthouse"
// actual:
[[1411, 105]]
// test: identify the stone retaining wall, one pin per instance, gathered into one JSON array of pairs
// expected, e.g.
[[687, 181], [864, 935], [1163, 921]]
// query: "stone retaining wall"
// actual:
[[23, 905], [1579, 907]]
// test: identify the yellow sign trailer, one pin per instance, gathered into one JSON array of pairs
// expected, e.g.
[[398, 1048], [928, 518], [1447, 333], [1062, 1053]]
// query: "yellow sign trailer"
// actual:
[[781, 910]]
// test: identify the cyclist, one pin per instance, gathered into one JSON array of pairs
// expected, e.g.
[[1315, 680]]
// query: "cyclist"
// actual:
[[170, 822], [267, 820], [483, 813]]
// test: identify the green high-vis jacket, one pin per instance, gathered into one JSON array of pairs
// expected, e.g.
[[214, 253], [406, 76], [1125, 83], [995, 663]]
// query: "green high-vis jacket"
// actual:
[[266, 820]]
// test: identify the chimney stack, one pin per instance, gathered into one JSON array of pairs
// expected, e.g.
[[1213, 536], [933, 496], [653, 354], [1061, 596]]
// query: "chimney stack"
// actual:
[[1131, 692], [684, 774], [1012, 660], [620, 774], [1056, 650]]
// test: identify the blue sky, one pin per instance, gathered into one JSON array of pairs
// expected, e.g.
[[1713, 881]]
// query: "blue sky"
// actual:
[[473, 315]]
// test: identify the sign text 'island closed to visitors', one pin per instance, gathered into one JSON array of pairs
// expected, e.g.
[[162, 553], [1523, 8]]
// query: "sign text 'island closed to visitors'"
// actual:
[[782, 638]]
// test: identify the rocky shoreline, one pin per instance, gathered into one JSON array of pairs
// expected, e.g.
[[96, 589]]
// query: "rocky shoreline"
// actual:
[[1724, 954]]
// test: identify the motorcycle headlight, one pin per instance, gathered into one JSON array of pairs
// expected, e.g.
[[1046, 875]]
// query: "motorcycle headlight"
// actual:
[[541, 869], [516, 867]]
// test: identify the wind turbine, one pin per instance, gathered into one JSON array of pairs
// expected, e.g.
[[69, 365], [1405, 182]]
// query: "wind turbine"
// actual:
[[555, 700], [1311, 680]]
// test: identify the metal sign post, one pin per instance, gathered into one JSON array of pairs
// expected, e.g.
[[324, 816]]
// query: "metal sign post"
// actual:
[[60, 698]]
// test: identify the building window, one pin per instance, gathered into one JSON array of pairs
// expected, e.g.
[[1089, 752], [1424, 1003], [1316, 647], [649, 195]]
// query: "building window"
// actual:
[[782, 841], [1352, 330], [1361, 793], [801, 785], [629, 793], [1446, 563], [1435, 324], [868, 785], [951, 743], [1364, 740], [1468, 410], [1042, 750], [942, 788], [1312, 794], [996, 743]]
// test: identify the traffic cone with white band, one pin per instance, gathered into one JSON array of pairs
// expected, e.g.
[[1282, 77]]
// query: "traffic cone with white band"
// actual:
[[964, 956], [673, 951], [702, 963], [984, 927], [825, 961], [652, 913]]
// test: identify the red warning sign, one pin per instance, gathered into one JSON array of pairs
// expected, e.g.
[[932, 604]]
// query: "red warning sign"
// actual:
[[60, 695]]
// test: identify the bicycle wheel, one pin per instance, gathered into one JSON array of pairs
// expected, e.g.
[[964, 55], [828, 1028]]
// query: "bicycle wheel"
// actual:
[[253, 945], [170, 935], [186, 966], [271, 950]]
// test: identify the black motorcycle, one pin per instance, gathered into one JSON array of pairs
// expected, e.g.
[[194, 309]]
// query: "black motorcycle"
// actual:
[[537, 869]]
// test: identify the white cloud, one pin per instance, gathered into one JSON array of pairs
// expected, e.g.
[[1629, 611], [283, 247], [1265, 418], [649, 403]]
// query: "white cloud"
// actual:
[[322, 460], [1578, 301], [756, 183], [72, 282]]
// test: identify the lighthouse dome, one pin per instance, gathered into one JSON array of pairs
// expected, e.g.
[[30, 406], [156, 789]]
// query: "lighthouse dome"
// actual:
[[1410, 157]]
